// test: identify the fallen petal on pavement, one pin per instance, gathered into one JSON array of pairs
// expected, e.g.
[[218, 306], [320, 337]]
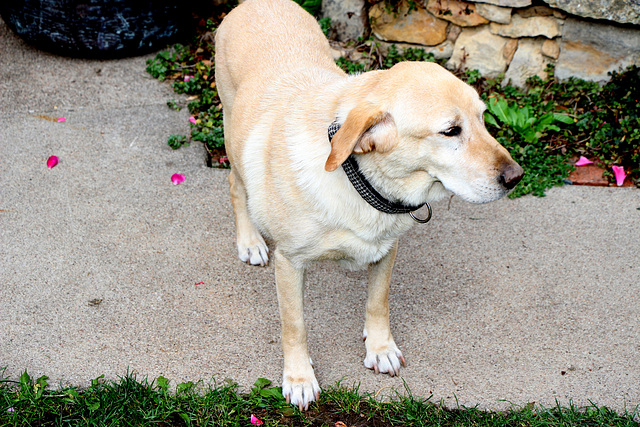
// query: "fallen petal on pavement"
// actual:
[[52, 161], [177, 178]]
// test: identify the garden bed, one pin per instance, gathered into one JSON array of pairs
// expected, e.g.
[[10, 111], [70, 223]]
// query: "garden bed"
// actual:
[[544, 126]]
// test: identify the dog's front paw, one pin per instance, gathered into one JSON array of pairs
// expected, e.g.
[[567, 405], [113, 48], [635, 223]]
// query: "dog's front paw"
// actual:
[[383, 356], [253, 250], [300, 389]]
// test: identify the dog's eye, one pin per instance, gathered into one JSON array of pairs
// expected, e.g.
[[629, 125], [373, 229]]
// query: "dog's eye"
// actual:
[[452, 131]]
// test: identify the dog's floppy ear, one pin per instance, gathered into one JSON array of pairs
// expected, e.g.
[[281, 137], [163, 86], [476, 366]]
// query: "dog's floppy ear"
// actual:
[[367, 128]]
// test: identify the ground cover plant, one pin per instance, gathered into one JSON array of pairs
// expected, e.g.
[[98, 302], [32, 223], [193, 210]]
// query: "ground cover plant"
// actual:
[[545, 126], [130, 401]]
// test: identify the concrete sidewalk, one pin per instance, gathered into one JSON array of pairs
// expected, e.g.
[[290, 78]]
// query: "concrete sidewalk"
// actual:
[[526, 300]]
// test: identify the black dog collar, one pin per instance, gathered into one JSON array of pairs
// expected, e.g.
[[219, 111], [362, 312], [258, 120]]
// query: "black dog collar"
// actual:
[[366, 190]]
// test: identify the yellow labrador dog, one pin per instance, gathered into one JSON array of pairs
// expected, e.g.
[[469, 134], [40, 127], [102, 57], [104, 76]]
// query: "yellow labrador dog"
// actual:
[[330, 166]]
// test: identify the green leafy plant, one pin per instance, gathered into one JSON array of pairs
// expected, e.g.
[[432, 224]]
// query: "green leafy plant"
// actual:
[[393, 56], [174, 105], [371, 57], [168, 62], [599, 122], [311, 6], [472, 76], [192, 70], [609, 123], [325, 25], [264, 396], [177, 141], [520, 129], [349, 66], [32, 391], [529, 126]]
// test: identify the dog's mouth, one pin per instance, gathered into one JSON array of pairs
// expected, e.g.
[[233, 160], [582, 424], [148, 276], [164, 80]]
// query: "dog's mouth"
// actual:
[[481, 193], [477, 192], [437, 191], [482, 189]]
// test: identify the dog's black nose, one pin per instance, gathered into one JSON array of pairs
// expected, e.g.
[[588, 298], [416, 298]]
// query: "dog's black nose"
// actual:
[[511, 175]]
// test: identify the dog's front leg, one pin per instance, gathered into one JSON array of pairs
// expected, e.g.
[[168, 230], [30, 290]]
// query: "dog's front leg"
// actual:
[[299, 384], [382, 353]]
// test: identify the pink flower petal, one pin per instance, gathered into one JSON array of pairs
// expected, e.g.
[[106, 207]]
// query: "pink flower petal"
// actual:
[[255, 420], [52, 161], [583, 161], [177, 178], [187, 78], [618, 171], [192, 120], [61, 119]]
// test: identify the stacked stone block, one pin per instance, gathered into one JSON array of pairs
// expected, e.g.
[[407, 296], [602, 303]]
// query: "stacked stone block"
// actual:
[[517, 38]]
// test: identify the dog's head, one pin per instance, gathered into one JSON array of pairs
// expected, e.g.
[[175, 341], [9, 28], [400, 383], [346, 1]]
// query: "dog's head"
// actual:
[[423, 126]]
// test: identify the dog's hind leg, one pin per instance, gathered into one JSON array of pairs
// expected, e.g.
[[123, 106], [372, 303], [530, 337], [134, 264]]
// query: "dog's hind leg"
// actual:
[[252, 248], [299, 384], [382, 353]]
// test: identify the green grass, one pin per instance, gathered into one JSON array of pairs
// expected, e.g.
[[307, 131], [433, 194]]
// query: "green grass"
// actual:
[[130, 401], [544, 126]]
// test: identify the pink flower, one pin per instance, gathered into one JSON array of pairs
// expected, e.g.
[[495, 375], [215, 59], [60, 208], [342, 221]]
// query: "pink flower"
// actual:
[[61, 119], [187, 78], [177, 178], [618, 171], [52, 161], [255, 420], [192, 120], [583, 161], [223, 159]]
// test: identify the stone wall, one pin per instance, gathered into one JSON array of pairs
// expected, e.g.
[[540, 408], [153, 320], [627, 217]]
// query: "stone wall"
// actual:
[[585, 39]]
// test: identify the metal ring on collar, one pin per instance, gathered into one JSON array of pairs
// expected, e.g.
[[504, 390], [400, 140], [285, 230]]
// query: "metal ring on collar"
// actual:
[[425, 220]]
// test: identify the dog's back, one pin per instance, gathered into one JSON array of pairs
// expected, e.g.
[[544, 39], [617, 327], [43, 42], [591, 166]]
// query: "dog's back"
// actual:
[[284, 36]]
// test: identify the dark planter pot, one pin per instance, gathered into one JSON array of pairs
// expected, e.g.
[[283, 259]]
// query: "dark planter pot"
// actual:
[[96, 28]]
